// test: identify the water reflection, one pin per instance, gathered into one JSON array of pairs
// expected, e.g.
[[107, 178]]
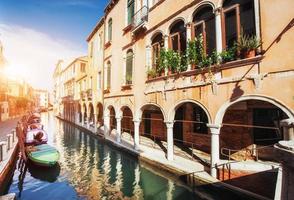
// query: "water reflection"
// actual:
[[90, 169]]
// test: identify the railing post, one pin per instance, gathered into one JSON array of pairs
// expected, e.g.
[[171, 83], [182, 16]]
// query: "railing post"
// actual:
[[3, 150], [214, 154], [10, 141]]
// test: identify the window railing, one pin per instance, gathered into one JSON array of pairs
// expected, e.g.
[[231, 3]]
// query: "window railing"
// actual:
[[140, 17]]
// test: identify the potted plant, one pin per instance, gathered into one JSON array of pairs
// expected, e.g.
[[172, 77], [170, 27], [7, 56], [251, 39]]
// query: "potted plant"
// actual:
[[247, 46], [162, 63], [173, 60], [192, 54], [228, 55], [151, 73]]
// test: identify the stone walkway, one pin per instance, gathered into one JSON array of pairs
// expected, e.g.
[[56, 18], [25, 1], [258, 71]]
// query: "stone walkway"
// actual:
[[6, 127], [179, 164]]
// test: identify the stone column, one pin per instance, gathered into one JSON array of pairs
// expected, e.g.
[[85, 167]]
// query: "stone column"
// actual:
[[218, 30], [136, 134], [118, 129], [189, 37], [170, 140], [106, 124], [288, 128], [214, 154]]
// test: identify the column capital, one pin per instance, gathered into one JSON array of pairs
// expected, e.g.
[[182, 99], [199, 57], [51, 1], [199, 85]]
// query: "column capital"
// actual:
[[214, 128], [217, 11], [188, 24], [169, 124], [137, 121], [118, 118], [287, 122], [165, 36]]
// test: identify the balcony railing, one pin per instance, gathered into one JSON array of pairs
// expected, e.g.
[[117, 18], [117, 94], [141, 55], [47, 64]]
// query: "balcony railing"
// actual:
[[140, 17]]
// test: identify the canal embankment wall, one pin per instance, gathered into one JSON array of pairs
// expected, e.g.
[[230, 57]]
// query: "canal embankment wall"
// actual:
[[8, 156]]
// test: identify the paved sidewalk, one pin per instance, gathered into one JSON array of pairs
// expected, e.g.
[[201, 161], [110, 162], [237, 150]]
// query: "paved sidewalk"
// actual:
[[6, 126]]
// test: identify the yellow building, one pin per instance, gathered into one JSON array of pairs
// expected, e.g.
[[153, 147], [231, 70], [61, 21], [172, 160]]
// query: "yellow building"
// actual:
[[221, 99]]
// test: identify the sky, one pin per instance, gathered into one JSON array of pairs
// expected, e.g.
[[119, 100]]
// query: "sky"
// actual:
[[35, 34]]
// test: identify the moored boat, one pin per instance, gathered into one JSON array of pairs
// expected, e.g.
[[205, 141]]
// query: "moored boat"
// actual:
[[36, 137], [43, 155]]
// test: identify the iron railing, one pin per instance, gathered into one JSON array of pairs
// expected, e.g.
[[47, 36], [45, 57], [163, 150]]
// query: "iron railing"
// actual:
[[140, 17]]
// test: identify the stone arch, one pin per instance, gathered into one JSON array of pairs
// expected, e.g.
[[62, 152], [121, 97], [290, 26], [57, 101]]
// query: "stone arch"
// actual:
[[112, 117], [173, 22], [99, 113], [127, 124], [139, 112], [198, 6], [85, 112], [171, 114], [153, 119], [91, 112], [221, 112]]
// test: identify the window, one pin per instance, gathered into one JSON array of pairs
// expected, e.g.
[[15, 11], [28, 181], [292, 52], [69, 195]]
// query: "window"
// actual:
[[178, 37], [108, 75], [129, 67], [157, 44], [131, 10], [238, 17], [83, 67], [109, 29], [99, 80], [204, 24]]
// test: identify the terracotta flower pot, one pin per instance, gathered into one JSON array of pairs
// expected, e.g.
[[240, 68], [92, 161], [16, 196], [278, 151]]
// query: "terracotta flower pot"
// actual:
[[249, 54]]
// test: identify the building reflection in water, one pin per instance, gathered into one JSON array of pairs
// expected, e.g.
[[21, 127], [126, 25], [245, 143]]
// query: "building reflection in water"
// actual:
[[99, 171]]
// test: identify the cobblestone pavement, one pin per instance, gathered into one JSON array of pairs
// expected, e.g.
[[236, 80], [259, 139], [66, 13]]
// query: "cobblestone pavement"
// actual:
[[6, 126]]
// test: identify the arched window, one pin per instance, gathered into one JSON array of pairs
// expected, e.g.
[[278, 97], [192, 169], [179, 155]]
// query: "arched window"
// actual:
[[178, 37], [131, 10], [129, 67], [157, 43], [204, 23], [238, 16], [110, 29], [108, 75]]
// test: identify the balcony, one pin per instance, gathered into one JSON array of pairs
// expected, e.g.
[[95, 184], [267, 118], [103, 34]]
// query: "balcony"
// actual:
[[89, 94], [139, 21]]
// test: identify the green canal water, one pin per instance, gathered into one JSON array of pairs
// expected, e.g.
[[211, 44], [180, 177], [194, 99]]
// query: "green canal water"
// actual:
[[89, 168]]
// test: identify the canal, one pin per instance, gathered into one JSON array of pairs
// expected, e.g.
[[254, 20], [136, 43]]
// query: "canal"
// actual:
[[90, 168]]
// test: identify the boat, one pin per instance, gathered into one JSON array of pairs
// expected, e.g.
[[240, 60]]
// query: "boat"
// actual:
[[36, 137], [35, 126], [43, 155]]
